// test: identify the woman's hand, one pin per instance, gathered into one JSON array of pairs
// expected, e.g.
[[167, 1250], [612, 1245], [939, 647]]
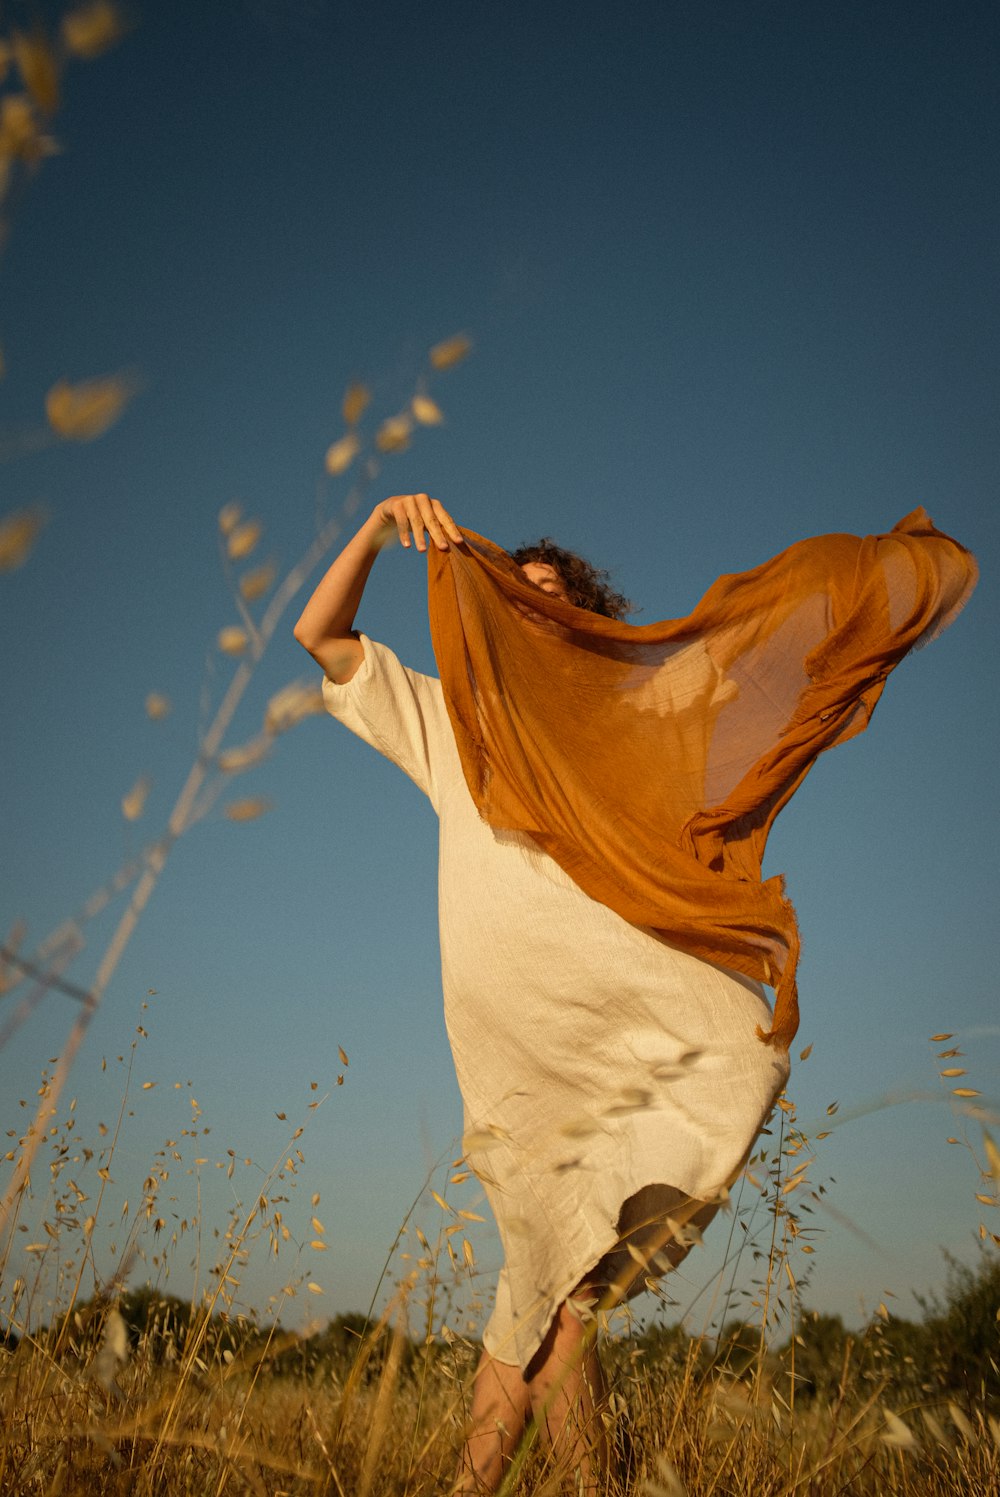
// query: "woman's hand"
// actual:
[[326, 628], [414, 517]]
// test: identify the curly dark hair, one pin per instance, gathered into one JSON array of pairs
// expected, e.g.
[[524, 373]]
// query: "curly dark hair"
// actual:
[[586, 585]]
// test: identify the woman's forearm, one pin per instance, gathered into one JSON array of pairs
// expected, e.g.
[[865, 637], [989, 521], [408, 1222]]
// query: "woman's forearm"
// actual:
[[326, 627]]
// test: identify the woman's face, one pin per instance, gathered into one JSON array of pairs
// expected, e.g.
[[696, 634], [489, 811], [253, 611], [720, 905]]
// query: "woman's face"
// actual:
[[545, 577]]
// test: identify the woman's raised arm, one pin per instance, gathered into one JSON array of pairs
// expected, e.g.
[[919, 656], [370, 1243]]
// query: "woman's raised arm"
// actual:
[[326, 627]]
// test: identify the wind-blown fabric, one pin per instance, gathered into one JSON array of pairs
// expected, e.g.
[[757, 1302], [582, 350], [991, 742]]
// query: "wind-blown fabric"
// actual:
[[612, 1084], [649, 762]]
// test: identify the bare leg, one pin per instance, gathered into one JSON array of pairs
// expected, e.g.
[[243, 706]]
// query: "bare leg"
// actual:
[[567, 1390], [500, 1410]]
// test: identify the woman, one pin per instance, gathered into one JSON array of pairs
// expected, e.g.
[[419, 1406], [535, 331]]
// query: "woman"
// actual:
[[604, 928]]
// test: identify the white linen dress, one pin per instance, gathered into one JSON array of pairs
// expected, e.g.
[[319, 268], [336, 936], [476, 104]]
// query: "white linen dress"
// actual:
[[611, 1082]]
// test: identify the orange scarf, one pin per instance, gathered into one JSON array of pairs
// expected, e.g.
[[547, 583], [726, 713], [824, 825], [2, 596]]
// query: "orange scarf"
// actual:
[[650, 761]]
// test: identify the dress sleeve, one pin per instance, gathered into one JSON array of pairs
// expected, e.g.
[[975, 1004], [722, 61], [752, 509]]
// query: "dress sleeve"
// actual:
[[398, 711]]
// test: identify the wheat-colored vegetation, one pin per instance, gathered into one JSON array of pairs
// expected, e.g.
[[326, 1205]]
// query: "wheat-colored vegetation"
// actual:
[[31, 68], [106, 1388], [198, 1406]]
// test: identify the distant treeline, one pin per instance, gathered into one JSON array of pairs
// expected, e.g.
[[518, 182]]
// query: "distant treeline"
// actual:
[[954, 1349]]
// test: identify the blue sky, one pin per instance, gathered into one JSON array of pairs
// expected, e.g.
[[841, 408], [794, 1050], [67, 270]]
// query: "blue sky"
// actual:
[[730, 273]]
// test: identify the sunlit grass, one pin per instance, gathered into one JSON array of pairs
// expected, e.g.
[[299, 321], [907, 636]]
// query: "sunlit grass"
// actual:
[[140, 1390]]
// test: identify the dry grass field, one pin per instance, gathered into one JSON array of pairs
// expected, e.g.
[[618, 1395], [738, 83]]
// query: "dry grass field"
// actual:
[[230, 1423], [139, 1391]]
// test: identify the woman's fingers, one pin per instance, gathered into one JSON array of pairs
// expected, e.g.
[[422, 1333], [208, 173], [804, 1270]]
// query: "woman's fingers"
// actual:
[[417, 516], [430, 522], [448, 524], [403, 517]]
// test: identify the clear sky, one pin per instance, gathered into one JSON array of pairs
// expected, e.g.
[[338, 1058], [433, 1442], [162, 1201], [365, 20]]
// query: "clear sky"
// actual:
[[730, 272]]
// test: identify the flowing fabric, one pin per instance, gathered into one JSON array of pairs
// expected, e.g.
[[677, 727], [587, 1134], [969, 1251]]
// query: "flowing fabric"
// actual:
[[650, 762], [612, 1084]]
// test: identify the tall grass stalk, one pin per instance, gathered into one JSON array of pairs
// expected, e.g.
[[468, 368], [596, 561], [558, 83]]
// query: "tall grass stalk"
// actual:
[[210, 771]]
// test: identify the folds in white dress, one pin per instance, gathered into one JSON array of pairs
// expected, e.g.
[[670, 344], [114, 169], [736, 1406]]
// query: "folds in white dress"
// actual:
[[594, 1060]]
